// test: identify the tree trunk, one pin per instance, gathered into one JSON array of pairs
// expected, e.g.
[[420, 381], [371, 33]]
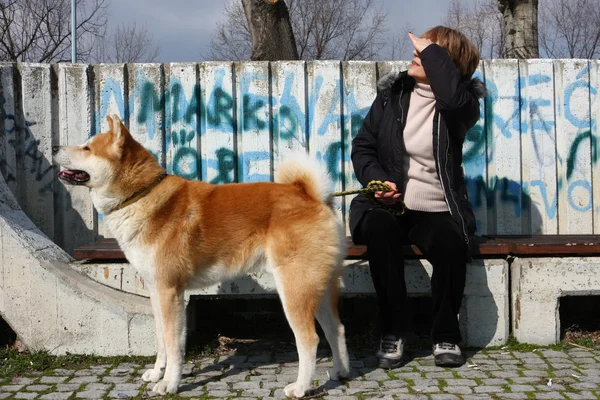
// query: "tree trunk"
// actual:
[[520, 27], [270, 30]]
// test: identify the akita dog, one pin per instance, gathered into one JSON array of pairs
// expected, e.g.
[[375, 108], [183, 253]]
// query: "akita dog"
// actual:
[[181, 234]]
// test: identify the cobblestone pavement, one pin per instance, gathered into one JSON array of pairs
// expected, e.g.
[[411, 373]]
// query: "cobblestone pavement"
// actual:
[[262, 374]]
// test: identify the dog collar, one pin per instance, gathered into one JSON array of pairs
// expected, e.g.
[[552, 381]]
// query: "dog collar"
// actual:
[[139, 193]]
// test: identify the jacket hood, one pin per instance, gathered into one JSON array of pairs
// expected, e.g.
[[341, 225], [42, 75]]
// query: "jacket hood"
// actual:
[[388, 81]]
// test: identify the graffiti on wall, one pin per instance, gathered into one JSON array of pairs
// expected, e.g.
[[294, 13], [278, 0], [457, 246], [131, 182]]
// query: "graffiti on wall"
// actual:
[[534, 145]]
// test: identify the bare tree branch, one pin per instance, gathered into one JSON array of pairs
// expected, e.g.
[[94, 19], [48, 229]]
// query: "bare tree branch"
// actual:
[[481, 22], [570, 28], [323, 29], [126, 44], [40, 30]]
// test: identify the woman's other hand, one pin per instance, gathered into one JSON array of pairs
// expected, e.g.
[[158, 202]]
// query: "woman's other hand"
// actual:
[[388, 198]]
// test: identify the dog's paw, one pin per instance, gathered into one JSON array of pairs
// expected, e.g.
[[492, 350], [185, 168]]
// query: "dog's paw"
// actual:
[[295, 390], [153, 375], [163, 387], [336, 374]]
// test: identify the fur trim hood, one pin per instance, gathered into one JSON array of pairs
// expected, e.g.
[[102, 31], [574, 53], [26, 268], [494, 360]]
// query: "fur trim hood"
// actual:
[[387, 81]]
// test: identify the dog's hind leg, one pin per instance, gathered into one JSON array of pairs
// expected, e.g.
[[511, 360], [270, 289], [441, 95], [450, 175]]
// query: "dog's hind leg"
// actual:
[[154, 375], [300, 302], [329, 319], [172, 310]]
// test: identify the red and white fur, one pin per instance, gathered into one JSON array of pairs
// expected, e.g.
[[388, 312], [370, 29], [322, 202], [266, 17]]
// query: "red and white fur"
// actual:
[[181, 234]]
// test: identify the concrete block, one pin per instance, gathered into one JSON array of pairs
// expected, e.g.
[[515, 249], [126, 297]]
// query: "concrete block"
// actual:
[[484, 316], [538, 284], [52, 306]]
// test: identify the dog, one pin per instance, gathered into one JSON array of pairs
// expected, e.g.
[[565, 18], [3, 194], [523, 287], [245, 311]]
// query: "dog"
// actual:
[[180, 234]]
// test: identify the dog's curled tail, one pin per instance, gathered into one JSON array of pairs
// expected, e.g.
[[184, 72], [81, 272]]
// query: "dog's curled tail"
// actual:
[[306, 173]]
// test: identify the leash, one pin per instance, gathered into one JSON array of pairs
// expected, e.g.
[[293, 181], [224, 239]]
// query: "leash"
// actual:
[[369, 193]]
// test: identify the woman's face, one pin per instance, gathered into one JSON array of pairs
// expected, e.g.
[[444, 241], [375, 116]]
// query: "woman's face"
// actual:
[[416, 69]]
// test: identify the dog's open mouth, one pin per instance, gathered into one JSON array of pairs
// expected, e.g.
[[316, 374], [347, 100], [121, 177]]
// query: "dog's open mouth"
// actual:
[[74, 176]]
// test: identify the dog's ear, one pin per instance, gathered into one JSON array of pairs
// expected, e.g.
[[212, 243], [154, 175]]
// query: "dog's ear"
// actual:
[[117, 128]]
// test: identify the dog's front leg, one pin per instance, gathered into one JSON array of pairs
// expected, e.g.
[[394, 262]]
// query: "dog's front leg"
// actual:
[[172, 311], [154, 375]]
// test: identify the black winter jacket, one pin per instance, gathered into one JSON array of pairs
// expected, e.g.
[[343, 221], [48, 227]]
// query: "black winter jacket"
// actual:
[[377, 149]]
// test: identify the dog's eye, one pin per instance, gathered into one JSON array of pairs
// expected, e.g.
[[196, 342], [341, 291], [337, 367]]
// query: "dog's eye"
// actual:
[[86, 148]]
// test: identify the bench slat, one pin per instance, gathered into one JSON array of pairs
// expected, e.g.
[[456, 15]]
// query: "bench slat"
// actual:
[[487, 246]]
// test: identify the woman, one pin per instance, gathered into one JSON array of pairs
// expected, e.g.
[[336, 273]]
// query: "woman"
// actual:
[[412, 140]]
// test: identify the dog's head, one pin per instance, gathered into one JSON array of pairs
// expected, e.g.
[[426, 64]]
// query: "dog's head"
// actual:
[[99, 161]]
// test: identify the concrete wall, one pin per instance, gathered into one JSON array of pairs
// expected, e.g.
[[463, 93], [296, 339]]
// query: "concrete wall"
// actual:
[[530, 162]]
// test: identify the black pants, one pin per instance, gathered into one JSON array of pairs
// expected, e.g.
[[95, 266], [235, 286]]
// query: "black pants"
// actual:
[[439, 238]]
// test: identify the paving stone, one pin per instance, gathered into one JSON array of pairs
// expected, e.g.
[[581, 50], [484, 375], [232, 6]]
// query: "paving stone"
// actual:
[[256, 392], [458, 389], [526, 379], [91, 394], [53, 379], [439, 375], [549, 395], [494, 381], [84, 379], [408, 375], [585, 385], [581, 395], [246, 385], [128, 386], [37, 388], [394, 384], [121, 394], [192, 393], [363, 385], [505, 374], [98, 386], [4, 395], [26, 395], [220, 393], [461, 382], [444, 397], [516, 396], [521, 388], [590, 372], [540, 373], [67, 387], [584, 361], [61, 371], [56, 396], [377, 375], [11, 388], [426, 389], [22, 380], [489, 389], [115, 379]]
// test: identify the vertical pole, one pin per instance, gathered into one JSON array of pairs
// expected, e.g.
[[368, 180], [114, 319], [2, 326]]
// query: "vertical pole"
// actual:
[[73, 31]]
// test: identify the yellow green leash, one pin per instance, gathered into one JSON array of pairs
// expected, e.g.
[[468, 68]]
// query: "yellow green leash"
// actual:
[[369, 192]]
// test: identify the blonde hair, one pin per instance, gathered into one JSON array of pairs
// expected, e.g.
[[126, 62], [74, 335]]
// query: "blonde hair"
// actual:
[[463, 53]]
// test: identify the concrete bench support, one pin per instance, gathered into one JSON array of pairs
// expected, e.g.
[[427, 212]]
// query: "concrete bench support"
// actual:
[[537, 286], [484, 315], [51, 306]]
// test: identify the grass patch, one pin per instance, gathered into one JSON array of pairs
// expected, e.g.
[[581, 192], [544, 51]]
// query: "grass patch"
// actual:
[[14, 363], [572, 339]]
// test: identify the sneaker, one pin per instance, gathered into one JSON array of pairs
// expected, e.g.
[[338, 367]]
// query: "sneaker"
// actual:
[[391, 352], [448, 355]]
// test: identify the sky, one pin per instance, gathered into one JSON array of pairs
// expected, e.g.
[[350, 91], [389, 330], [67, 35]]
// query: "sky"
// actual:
[[182, 28]]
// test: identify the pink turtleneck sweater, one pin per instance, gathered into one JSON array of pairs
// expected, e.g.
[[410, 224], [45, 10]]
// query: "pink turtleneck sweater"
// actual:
[[422, 190]]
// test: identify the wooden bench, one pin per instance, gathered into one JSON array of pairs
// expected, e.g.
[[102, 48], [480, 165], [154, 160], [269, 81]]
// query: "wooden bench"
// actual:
[[513, 284], [487, 247]]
